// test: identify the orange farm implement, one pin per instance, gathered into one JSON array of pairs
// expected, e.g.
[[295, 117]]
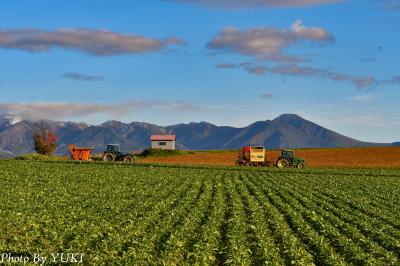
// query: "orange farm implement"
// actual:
[[80, 154]]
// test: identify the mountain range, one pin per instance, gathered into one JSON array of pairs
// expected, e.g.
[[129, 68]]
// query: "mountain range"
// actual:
[[287, 130]]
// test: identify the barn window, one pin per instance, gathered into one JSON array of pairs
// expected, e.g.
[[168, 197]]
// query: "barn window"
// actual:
[[162, 143]]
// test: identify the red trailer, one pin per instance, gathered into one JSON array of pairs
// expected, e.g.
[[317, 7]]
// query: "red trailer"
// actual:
[[80, 154]]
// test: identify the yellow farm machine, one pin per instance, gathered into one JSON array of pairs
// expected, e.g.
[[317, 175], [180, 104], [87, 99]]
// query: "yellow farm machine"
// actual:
[[256, 156], [252, 156]]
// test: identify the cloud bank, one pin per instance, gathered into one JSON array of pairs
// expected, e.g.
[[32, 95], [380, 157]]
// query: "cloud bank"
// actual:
[[394, 80], [92, 42], [267, 43], [81, 77], [362, 98], [267, 96], [57, 110], [229, 4], [360, 82], [391, 5]]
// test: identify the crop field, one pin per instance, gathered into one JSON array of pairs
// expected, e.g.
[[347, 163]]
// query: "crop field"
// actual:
[[388, 157], [153, 214]]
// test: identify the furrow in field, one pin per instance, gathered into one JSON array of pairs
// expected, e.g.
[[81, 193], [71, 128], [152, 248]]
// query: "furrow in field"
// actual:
[[387, 209], [155, 202], [382, 208], [350, 239], [156, 238], [384, 234], [137, 230], [317, 244], [344, 238], [191, 254], [238, 247], [291, 249], [340, 194], [148, 201], [371, 228], [175, 248], [362, 202], [382, 223], [207, 248], [222, 255], [368, 212], [262, 243]]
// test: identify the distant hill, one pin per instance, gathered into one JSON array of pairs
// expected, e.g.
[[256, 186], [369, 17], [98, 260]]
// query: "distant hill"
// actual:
[[288, 130], [396, 144]]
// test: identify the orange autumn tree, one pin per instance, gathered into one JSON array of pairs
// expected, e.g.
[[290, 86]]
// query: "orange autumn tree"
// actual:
[[45, 140]]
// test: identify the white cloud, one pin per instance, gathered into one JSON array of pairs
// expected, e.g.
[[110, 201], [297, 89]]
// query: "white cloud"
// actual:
[[313, 33], [267, 43]]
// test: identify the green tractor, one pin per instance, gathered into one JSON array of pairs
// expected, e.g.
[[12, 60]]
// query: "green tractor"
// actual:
[[113, 153], [287, 159]]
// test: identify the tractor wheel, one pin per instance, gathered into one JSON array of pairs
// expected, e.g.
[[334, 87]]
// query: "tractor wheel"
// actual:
[[109, 157], [128, 159], [282, 163], [301, 165]]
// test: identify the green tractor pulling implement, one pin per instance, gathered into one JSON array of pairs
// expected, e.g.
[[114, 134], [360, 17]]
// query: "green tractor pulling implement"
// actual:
[[255, 156], [113, 153], [287, 159]]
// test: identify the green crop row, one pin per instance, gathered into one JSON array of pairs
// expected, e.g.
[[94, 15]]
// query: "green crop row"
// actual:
[[169, 215]]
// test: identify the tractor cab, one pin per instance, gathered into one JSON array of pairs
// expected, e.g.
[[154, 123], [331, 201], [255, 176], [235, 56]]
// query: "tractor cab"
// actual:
[[113, 148], [287, 154], [287, 159]]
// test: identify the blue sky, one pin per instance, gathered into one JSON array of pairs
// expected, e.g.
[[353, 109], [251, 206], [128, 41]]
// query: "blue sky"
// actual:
[[234, 62]]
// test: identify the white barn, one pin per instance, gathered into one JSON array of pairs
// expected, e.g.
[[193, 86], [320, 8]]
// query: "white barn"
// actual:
[[163, 142]]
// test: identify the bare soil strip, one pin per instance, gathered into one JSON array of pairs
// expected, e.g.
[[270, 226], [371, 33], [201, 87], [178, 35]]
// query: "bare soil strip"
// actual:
[[335, 157]]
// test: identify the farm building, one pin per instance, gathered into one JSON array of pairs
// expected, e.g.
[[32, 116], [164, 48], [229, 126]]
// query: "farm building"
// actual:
[[164, 142]]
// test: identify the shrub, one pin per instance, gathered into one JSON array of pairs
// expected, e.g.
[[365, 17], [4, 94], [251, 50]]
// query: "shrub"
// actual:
[[161, 153], [44, 139]]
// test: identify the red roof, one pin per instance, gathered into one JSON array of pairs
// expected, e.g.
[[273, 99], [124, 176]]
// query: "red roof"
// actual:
[[162, 137]]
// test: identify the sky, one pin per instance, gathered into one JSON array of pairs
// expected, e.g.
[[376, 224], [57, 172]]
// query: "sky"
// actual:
[[227, 62]]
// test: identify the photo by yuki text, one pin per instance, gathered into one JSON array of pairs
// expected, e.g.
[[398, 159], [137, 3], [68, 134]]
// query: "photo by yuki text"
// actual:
[[40, 259]]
